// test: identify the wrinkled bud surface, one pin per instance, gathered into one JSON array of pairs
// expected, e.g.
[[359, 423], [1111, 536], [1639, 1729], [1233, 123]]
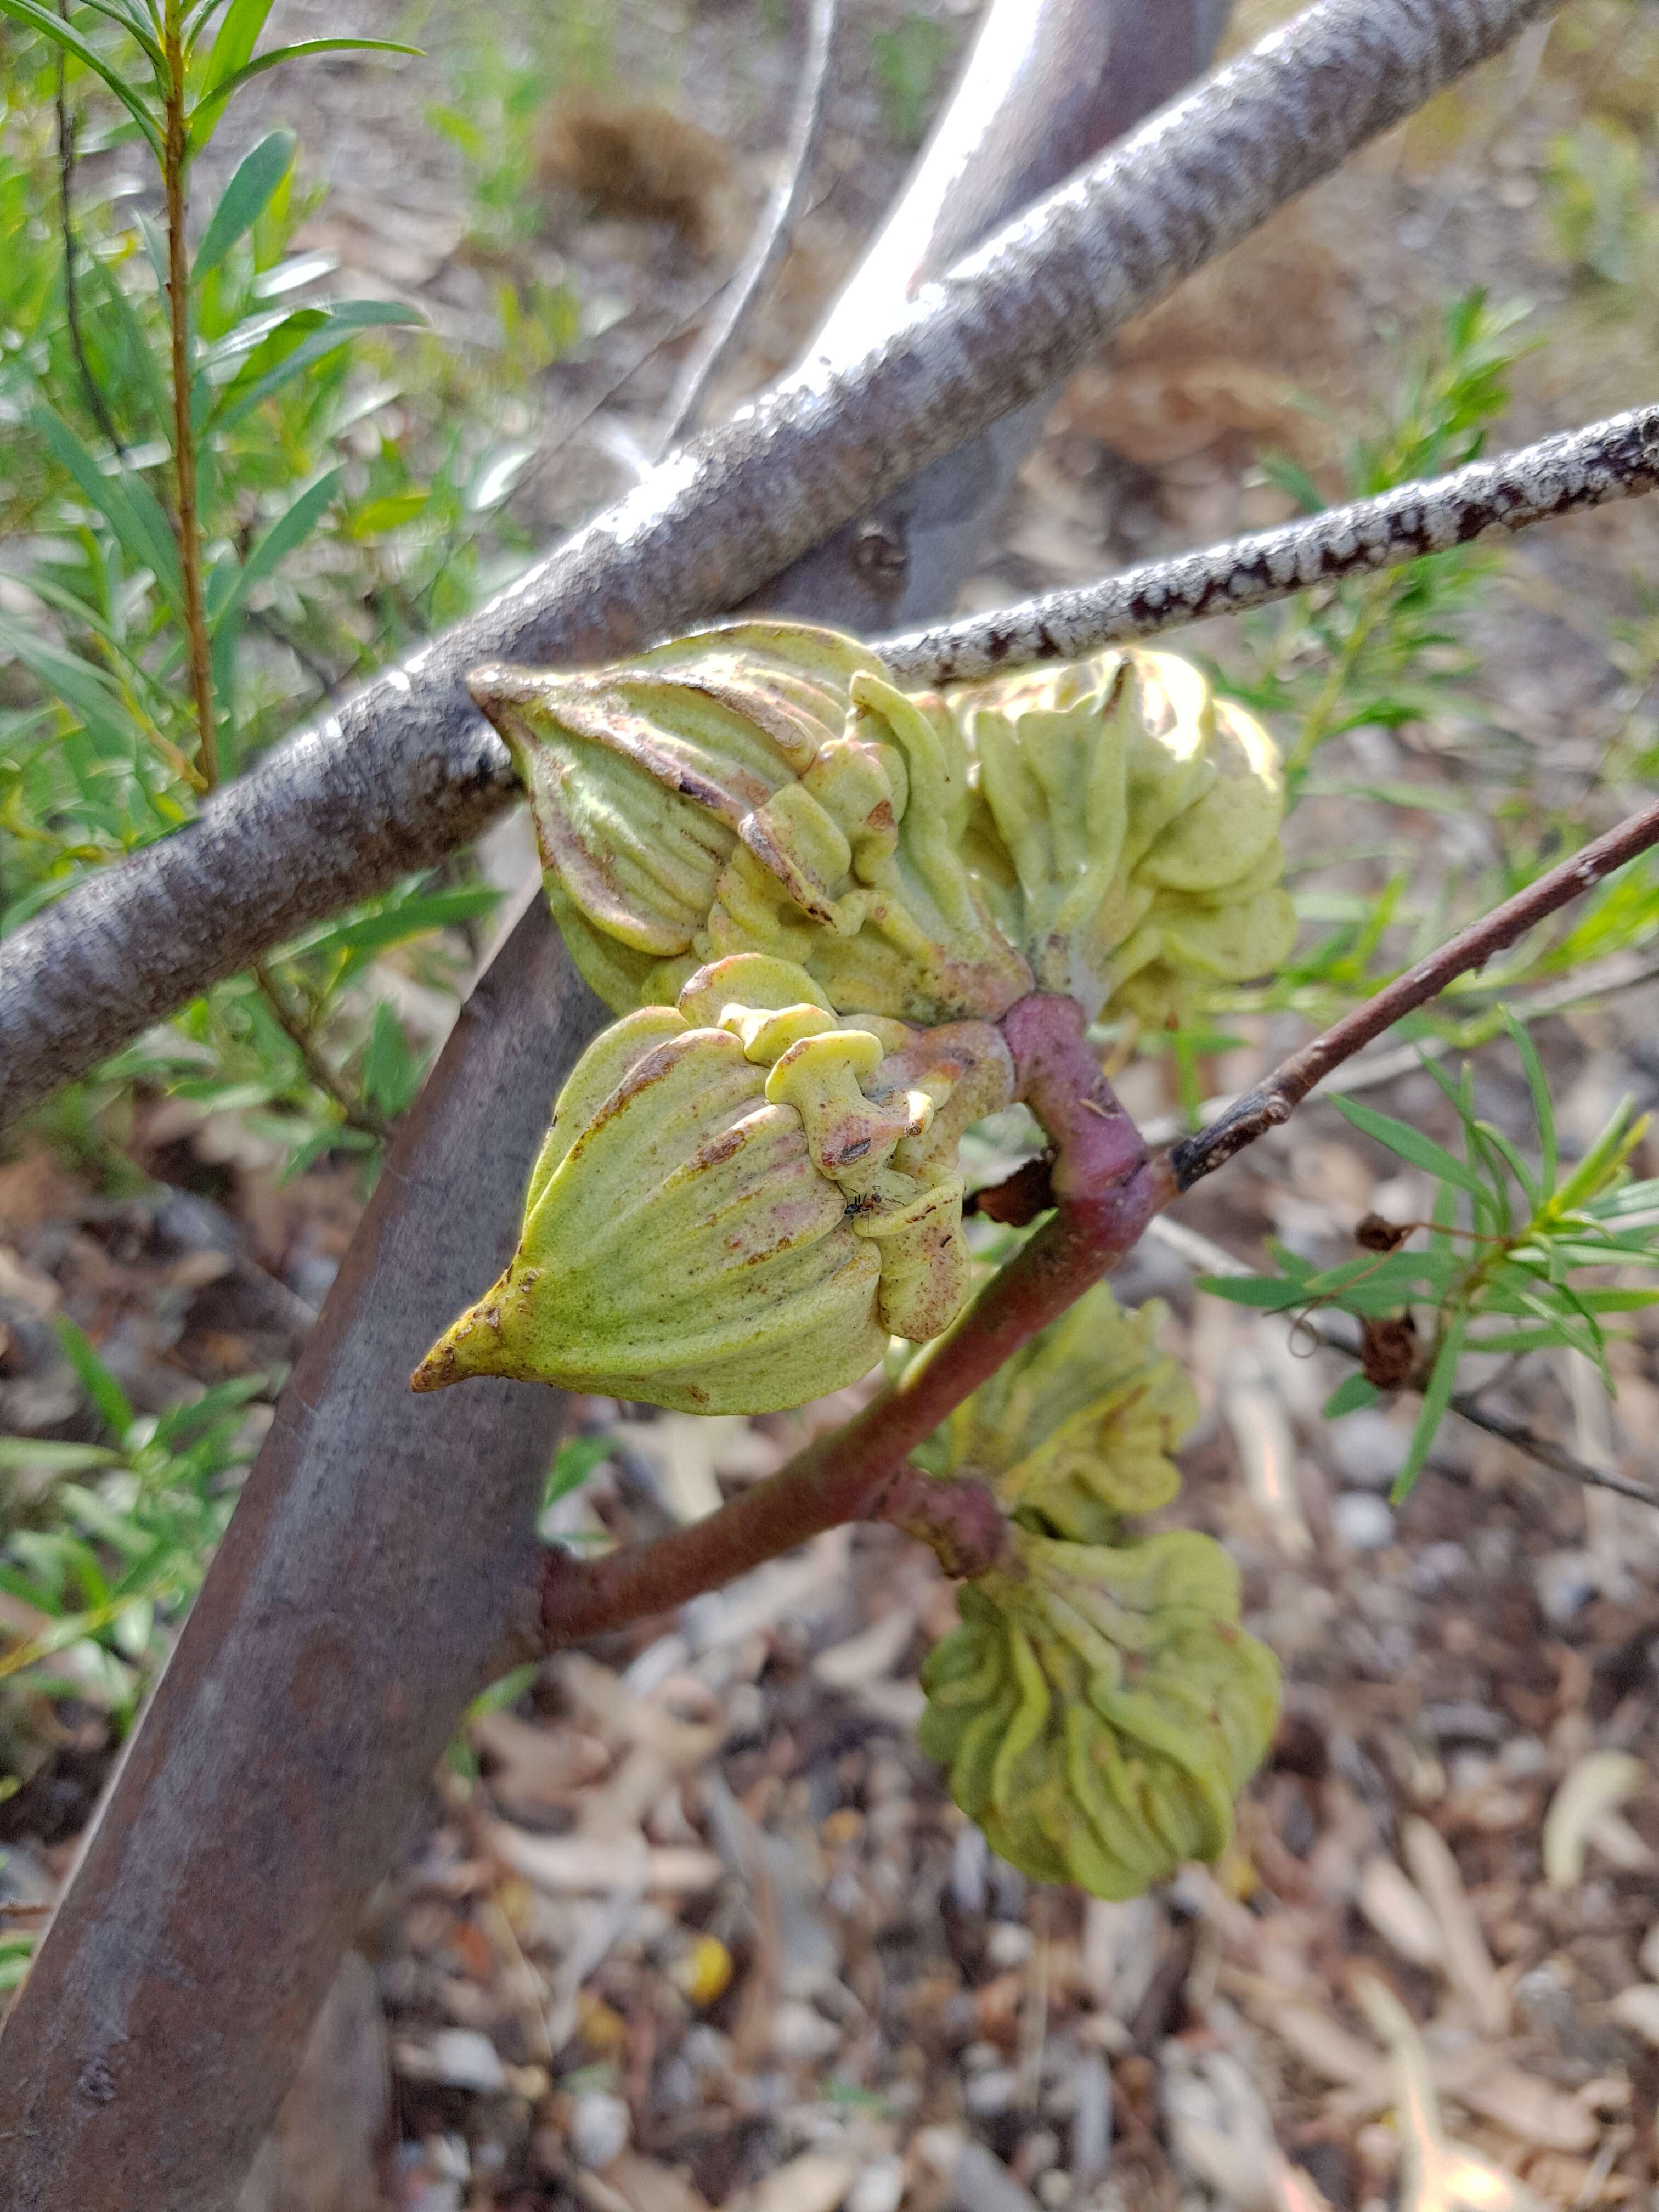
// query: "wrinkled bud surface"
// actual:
[[740, 1199], [1108, 829], [762, 788], [1125, 834], [1076, 1429], [1100, 1708]]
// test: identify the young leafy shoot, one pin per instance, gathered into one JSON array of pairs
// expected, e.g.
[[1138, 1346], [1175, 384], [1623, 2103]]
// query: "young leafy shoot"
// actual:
[[1518, 1257]]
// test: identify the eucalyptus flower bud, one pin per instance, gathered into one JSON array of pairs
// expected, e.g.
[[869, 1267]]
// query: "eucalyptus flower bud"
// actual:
[[762, 789], [1127, 833], [1099, 1709], [740, 1199], [1077, 1429]]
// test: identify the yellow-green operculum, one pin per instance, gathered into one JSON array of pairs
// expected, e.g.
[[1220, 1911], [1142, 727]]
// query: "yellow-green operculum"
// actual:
[[1125, 834], [741, 1198], [1100, 1708], [1076, 1429], [762, 788]]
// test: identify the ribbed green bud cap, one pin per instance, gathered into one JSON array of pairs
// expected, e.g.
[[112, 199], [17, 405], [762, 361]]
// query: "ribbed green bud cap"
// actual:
[[1126, 835], [1099, 1709], [764, 789], [1076, 1429], [740, 1199]]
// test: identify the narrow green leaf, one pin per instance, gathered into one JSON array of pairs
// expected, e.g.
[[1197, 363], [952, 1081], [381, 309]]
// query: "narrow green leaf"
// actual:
[[245, 198], [1350, 1397], [235, 38], [1496, 1142], [1538, 1083], [84, 689], [285, 535], [1271, 1293], [391, 1074], [43, 1455], [50, 25], [204, 116], [125, 502], [1602, 1162], [138, 347], [1410, 1145], [355, 943], [99, 1384], [135, 23], [307, 336], [1435, 1398], [576, 1461]]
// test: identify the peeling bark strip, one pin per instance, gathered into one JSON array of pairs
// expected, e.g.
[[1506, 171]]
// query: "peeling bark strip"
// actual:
[[1615, 460], [405, 772]]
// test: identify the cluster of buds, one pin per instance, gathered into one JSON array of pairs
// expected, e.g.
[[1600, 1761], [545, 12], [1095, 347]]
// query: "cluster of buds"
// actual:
[[1077, 1429], [811, 897], [742, 1198], [1100, 1707], [1109, 829]]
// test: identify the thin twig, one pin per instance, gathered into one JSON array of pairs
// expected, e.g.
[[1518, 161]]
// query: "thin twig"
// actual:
[[95, 399], [1204, 1255], [1618, 458], [1547, 1453], [189, 526], [1621, 971], [720, 341], [1270, 1103], [357, 1113]]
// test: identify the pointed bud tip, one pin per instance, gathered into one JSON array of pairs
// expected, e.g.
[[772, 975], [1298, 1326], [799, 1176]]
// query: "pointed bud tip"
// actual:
[[470, 1345]]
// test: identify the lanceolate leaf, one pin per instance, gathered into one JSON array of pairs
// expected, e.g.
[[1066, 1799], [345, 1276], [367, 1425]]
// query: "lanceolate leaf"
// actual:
[[306, 336], [284, 536], [1435, 1398], [1543, 1111], [205, 115], [245, 198], [126, 503], [1412, 1147]]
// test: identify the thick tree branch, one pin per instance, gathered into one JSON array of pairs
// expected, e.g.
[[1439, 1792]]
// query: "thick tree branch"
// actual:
[[1273, 1102], [717, 345], [1615, 460], [406, 771], [370, 1564], [354, 1604]]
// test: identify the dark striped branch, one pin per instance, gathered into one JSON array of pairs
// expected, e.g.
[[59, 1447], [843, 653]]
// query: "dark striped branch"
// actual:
[[1615, 460]]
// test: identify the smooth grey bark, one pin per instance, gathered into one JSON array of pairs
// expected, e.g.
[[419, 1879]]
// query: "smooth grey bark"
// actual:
[[406, 771]]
